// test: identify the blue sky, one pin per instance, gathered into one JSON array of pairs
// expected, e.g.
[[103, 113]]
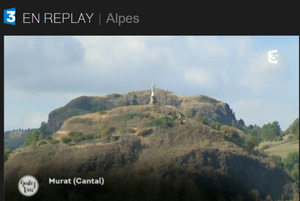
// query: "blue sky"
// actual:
[[42, 73]]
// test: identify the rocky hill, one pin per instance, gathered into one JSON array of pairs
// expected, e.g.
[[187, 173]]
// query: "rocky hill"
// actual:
[[194, 107], [146, 152]]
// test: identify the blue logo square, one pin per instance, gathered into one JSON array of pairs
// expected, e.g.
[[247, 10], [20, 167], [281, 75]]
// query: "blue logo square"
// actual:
[[10, 16]]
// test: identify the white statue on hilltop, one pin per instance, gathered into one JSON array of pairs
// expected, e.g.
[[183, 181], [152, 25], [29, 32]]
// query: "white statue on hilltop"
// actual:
[[152, 97], [152, 89]]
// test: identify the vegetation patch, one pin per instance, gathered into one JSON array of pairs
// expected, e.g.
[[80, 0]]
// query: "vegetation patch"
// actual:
[[290, 164], [7, 151], [282, 148], [32, 137], [66, 140], [77, 136], [162, 122], [130, 116], [42, 142], [51, 140]]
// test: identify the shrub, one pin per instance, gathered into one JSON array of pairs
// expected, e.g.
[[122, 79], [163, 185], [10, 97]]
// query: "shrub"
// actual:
[[76, 136], [43, 142], [277, 160], [291, 165], [290, 161], [161, 122], [51, 140], [89, 137], [66, 140], [251, 142], [229, 132]]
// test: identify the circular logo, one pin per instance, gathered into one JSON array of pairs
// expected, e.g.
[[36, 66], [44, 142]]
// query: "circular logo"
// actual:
[[28, 185]]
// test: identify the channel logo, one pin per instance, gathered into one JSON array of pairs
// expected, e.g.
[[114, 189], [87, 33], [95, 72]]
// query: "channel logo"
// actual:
[[10, 16], [273, 56]]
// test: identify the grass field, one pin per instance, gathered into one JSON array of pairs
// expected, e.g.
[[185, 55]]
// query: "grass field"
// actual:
[[282, 148]]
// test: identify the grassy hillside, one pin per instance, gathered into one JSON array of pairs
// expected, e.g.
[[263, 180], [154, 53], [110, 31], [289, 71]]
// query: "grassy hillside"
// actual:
[[196, 107], [149, 152], [121, 121], [281, 148]]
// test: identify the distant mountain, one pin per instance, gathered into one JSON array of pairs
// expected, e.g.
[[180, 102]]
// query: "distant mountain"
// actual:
[[145, 152], [195, 107], [15, 139]]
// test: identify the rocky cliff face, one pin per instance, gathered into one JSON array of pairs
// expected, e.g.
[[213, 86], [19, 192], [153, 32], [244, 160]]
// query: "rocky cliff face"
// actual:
[[194, 107]]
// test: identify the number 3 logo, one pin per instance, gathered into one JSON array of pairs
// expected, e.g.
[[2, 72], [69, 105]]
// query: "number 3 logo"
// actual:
[[10, 16], [272, 56]]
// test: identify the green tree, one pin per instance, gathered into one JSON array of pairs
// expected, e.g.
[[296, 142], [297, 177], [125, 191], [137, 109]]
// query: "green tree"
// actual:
[[251, 142], [291, 160], [252, 130], [291, 165], [270, 131], [293, 129], [33, 137]]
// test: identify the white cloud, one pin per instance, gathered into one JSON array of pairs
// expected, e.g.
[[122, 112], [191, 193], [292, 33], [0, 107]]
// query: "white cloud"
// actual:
[[261, 76], [200, 77], [105, 51], [40, 64], [230, 69], [33, 120], [207, 48]]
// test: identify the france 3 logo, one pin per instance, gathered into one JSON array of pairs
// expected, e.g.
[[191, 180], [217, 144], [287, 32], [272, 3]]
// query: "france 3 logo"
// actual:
[[10, 16]]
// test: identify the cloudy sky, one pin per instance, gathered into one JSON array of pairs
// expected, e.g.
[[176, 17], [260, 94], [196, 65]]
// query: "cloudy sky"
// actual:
[[42, 73]]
